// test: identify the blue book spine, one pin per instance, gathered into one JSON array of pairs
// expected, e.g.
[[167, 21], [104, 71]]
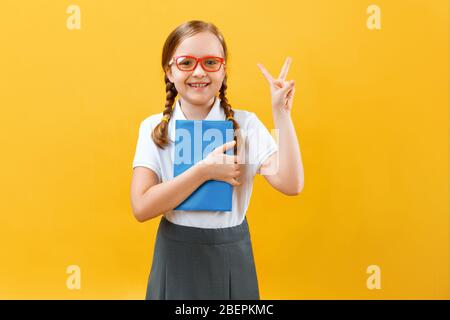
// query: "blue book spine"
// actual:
[[194, 140]]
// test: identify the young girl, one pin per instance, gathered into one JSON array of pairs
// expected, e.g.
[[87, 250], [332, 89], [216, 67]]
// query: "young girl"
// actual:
[[207, 254]]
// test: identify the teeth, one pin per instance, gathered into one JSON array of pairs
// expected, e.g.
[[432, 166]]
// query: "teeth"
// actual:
[[198, 85]]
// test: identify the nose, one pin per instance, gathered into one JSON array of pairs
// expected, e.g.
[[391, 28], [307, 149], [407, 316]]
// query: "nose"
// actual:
[[198, 71]]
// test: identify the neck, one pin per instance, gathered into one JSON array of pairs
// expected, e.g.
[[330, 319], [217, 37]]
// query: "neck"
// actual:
[[196, 111]]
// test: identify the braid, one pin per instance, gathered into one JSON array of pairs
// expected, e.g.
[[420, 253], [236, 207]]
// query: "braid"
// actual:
[[229, 111], [160, 133]]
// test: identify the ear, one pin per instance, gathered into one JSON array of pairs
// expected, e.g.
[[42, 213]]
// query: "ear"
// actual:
[[169, 74], [224, 75]]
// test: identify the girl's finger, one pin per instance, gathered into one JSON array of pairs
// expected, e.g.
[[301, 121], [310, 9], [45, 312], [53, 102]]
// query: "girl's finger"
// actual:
[[288, 87], [285, 68], [291, 93], [292, 88], [225, 147], [266, 73], [230, 159], [278, 84], [234, 182]]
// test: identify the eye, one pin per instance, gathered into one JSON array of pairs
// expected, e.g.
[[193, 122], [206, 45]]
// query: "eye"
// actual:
[[185, 61], [211, 62]]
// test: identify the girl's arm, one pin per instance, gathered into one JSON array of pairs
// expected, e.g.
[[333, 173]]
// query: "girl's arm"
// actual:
[[149, 198], [285, 168], [159, 198]]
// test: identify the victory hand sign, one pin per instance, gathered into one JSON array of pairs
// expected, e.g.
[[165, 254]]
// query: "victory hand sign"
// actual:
[[288, 176], [282, 91]]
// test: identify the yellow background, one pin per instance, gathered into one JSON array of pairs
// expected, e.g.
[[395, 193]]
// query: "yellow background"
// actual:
[[371, 114]]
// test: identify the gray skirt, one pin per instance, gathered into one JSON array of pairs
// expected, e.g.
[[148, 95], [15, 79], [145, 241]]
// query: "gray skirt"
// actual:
[[192, 263]]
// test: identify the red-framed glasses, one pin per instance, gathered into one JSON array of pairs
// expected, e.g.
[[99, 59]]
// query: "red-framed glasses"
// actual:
[[189, 63]]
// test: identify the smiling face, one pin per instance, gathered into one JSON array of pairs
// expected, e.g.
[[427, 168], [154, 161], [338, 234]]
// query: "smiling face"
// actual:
[[199, 45]]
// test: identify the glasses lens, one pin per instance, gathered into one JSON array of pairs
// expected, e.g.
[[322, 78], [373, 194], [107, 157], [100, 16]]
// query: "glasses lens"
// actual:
[[185, 63], [212, 64]]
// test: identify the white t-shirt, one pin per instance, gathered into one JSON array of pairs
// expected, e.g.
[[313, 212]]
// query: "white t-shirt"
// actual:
[[258, 144]]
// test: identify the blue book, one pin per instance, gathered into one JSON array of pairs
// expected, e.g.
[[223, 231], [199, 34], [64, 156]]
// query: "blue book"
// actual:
[[194, 140]]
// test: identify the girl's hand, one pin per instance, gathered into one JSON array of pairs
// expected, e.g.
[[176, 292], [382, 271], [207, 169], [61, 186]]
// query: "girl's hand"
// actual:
[[282, 91], [220, 166]]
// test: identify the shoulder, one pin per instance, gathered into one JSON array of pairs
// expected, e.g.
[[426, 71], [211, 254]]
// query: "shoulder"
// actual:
[[244, 118], [247, 119], [151, 121]]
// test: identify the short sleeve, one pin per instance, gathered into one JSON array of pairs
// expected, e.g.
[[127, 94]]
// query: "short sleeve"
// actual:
[[146, 154], [261, 143]]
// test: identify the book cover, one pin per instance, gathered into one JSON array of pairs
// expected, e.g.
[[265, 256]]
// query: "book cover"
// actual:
[[194, 140]]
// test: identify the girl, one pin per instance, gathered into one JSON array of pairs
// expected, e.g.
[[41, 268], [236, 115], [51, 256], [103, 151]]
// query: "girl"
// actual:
[[206, 254]]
